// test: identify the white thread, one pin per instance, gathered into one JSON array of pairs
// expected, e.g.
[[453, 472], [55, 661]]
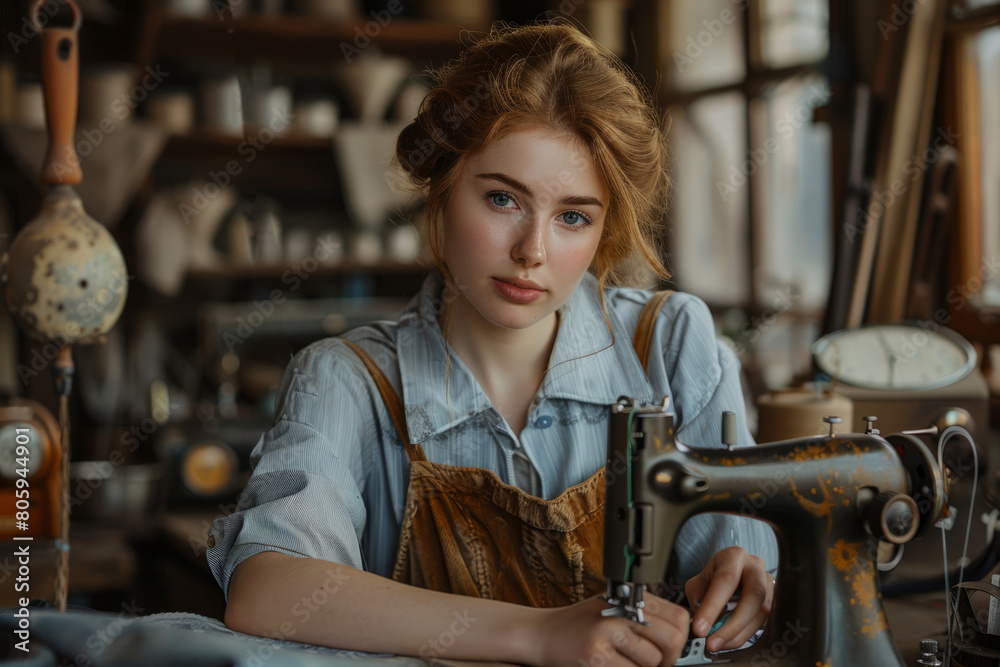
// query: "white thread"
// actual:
[[942, 442]]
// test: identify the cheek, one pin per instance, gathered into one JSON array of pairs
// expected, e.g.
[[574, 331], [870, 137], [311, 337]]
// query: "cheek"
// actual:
[[463, 247], [468, 239], [579, 255], [453, 233]]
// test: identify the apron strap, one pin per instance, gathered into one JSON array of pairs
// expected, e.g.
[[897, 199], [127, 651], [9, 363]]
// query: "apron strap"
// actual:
[[391, 400], [643, 338]]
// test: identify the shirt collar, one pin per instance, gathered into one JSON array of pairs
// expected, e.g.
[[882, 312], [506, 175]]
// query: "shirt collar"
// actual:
[[585, 365], [439, 391]]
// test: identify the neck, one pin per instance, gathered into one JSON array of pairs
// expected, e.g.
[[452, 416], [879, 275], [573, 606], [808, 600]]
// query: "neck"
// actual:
[[487, 349]]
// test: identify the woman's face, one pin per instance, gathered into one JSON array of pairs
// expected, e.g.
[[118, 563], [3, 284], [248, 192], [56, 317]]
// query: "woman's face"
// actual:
[[522, 224]]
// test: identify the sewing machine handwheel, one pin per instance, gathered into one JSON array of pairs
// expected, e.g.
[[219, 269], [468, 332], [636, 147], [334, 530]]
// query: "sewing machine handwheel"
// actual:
[[926, 484], [893, 517]]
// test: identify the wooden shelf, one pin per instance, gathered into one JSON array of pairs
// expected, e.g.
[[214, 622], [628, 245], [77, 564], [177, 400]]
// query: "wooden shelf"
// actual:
[[298, 37], [284, 163], [210, 146], [238, 272]]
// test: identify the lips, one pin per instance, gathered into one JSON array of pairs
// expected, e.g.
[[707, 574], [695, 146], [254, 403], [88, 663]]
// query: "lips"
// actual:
[[518, 291], [523, 284]]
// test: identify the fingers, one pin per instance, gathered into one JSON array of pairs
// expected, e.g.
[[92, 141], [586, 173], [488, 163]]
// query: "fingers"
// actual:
[[619, 642], [668, 636], [669, 625], [730, 570], [697, 586], [709, 592], [752, 609], [674, 615], [637, 648], [741, 638], [755, 601], [661, 642], [623, 648]]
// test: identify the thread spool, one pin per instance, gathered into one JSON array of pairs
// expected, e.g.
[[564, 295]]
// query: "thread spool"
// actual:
[[799, 412]]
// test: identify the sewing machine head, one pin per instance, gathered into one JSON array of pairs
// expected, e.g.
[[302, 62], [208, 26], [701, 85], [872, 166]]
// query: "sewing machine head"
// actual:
[[831, 501]]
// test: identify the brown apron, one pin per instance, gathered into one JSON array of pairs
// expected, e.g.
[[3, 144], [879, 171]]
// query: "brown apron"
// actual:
[[465, 531]]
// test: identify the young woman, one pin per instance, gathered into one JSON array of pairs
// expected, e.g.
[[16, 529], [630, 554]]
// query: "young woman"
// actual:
[[434, 487]]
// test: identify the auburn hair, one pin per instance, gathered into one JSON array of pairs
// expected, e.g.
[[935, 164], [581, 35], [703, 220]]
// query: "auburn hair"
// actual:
[[548, 75]]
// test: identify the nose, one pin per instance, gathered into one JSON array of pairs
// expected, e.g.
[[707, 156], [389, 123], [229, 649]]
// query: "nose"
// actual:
[[529, 246]]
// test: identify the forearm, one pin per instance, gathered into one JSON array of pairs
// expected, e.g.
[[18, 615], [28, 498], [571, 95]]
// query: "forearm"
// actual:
[[318, 602]]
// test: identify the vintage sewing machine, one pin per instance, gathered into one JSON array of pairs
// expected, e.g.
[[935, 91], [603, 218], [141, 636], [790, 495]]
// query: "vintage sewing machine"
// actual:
[[830, 500]]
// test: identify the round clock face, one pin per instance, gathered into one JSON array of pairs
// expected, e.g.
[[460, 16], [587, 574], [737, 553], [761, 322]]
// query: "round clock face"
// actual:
[[895, 356], [13, 435]]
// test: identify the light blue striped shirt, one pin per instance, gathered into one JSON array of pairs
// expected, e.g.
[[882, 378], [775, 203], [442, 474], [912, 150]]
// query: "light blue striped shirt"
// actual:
[[330, 476]]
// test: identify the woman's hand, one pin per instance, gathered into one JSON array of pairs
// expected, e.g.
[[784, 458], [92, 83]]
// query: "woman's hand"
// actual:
[[730, 570], [579, 635]]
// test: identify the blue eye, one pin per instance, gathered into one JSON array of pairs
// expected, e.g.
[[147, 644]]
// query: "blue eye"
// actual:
[[500, 199], [576, 219]]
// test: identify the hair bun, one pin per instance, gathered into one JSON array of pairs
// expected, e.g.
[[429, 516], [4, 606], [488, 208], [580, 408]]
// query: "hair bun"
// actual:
[[421, 148]]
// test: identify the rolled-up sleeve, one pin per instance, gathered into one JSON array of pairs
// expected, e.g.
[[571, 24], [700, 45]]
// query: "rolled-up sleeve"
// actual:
[[304, 497], [705, 380]]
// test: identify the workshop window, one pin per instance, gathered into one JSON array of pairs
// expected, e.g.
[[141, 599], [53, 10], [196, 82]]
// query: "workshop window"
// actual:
[[709, 210], [793, 194], [794, 32], [750, 211], [703, 43]]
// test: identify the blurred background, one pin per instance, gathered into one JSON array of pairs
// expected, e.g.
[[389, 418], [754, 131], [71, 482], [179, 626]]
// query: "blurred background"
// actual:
[[835, 164]]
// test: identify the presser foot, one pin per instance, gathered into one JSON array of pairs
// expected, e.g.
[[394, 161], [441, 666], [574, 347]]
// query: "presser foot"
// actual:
[[694, 654], [623, 609], [626, 601]]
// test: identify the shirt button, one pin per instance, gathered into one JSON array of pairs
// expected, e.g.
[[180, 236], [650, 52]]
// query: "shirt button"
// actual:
[[211, 541], [544, 422]]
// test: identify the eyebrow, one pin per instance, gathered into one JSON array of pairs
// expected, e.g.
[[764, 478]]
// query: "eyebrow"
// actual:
[[572, 200]]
